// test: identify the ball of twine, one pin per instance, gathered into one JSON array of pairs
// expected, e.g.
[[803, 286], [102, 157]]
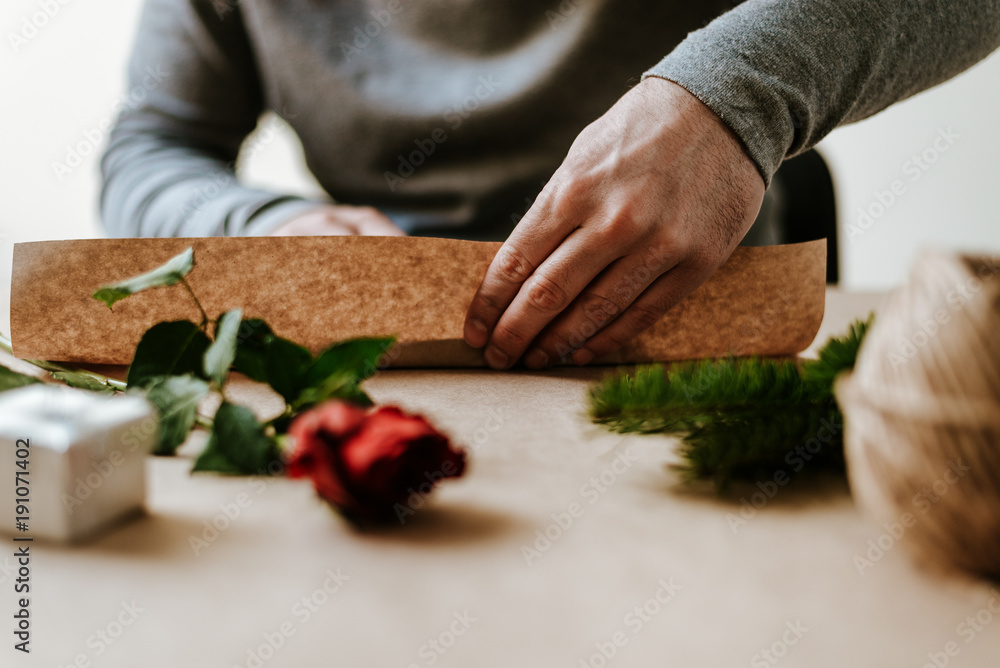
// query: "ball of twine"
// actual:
[[922, 414]]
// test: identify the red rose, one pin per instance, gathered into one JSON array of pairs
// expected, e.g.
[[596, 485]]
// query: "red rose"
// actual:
[[367, 463]]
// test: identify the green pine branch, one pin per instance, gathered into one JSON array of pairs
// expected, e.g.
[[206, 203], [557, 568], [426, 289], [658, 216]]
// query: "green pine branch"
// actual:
[[738, 419]]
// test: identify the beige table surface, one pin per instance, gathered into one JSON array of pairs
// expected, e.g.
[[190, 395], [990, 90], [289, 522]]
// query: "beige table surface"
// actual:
[[736, 592]]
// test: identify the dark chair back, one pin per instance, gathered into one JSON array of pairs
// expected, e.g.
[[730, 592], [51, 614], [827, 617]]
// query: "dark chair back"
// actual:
[[810, 206]]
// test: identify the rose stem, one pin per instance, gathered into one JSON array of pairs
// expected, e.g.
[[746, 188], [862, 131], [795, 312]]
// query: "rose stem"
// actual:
[[52, 367], [118, 385], [204, 316]]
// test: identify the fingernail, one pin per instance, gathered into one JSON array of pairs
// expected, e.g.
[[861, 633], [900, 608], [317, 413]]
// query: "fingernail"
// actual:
[[582, 356], [536, 359], [475, 333], [496, 358]]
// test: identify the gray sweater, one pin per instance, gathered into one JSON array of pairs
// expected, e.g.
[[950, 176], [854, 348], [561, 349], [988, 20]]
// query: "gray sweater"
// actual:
[[450, 115]]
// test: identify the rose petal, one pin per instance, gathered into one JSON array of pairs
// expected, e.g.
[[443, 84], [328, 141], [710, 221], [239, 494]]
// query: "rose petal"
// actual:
[[363, 463], [386, 433]]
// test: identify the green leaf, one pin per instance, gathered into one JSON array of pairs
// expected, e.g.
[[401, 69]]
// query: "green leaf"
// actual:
[[338, 385], [251, 349], [357, 357], [221, 354], [168, 349], [237, 444], [286, 367], [10, 380], [82, 381], [170, 273], [339, 370], [293, 373], [176, 400], [213, 460]]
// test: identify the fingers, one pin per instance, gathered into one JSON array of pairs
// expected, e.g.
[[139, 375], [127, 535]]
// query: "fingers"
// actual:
[[662, 295], [314, 225], [339, 220], [546, 293], [539, 233], [377, 225], [363, 220], [600, 303], [658, 176]]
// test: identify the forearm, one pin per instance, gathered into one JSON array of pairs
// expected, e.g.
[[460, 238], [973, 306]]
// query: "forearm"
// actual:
[[161, 186], [168, 170], [784, 73]]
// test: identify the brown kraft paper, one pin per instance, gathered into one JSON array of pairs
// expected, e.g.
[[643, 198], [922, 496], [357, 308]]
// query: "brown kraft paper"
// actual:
[[764, 301]]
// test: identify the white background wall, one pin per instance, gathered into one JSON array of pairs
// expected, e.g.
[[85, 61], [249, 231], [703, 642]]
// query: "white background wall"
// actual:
[[69, 75]]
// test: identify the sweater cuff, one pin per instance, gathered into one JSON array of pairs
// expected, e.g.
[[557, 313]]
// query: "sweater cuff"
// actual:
[[274, 213], [719, 76]]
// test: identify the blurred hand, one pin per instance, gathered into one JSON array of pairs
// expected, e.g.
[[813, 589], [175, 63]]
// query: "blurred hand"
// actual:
[[651, 199], [339, 220]]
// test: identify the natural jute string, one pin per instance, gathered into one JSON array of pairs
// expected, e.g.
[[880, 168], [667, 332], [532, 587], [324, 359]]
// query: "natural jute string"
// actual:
[[922, 413]]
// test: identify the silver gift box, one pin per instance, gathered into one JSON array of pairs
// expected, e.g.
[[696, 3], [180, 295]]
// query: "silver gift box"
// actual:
[[79, 456]]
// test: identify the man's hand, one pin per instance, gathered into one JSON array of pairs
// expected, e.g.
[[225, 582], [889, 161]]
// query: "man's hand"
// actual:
[[651, 199], [337, 220]]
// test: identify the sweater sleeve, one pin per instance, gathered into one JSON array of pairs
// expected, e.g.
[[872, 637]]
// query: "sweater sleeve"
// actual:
[[194, 96], [782, 74]]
